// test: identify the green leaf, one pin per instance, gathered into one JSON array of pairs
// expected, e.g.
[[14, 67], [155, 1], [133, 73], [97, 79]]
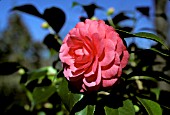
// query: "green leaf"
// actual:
[[160, 76], [68, 98], [152, 37], [142, 35], [151, 107], [159, 52], [142, 78], [88, 110], [36, 74], [156, 91], [41, 94], [75, 4], [126, 109]]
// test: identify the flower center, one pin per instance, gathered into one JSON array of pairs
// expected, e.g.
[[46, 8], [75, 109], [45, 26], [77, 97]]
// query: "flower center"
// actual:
[[79, 52]]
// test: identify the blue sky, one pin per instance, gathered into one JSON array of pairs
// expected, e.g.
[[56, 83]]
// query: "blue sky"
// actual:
[[72, 14]]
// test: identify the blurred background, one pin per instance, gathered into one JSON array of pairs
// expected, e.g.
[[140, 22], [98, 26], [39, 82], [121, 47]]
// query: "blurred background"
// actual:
[[22, 35]]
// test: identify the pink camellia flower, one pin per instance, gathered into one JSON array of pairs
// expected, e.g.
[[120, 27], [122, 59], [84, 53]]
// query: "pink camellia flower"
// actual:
[[93, 56]]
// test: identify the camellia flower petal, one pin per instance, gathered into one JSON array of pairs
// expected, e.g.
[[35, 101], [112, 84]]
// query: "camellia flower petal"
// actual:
[[93, 56]]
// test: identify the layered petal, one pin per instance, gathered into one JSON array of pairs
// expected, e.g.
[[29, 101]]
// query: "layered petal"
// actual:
[[93, 56]]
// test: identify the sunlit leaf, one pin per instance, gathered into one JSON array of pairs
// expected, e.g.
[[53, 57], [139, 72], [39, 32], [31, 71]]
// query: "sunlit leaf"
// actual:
[[159, 52], [151, 36], [30, 9], [68, 98], [88, 110], [126, 109], [7, 68], [41, 94], [37, 74], [142, 35], [151, 107]]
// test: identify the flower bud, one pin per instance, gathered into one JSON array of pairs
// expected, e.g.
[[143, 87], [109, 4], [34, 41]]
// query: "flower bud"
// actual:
[[45, 25], [21, 71], [94, 18], [110, 11]]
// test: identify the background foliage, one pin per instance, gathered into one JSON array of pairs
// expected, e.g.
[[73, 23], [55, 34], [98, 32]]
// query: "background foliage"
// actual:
[[43, 88]]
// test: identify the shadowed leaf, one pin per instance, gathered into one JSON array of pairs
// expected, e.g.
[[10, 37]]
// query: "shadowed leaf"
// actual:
[[41, 94], [30, 9], [90, 9], [55, 18], [128, 29], [126, 109], [144, 10], [51, 42], [159, 52], [68, 98], [119, 17], [7, 68], [82, 19], [88, 110]]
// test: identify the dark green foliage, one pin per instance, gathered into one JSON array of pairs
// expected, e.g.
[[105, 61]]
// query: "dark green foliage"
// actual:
[[144, 10], [54, 16], [46, 91], [28, 8], [51, 42], [7, 68], [90, 9]]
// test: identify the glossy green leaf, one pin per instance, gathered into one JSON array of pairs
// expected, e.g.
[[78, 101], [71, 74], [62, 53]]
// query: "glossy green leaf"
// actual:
[[68, 98], [88, 110], [152, 37], [41, 94], [151, 107], [160, 76], [36, 74], [159, 52], [29, 96], [142, 35], [126, 109], [156, 91], [142, 78]]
